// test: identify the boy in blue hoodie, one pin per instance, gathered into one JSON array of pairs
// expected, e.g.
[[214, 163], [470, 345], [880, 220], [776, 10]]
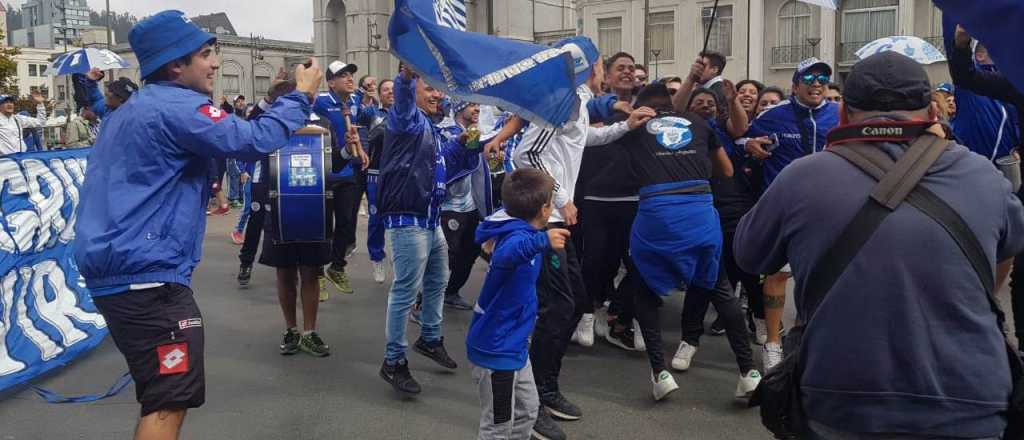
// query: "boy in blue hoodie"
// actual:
[[498, 339]]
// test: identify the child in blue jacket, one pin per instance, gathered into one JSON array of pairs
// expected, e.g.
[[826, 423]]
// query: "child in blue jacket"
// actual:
[[498, 339]]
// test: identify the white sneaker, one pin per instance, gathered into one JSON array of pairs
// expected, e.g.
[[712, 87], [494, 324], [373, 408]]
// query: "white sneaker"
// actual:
[[585, 330], [684, 355], [664, 384], [772, 355], [638, 337], [747, 384], [760, 331], [380, 272], [601, 323]]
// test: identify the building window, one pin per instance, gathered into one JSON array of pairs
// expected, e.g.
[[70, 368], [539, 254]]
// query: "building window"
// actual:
[[662, 27], [231, 84], [721, 34], [42, 69], [262, 86], [32, 71], [865, 21], [609, 35], [61, 96], [794, 29]]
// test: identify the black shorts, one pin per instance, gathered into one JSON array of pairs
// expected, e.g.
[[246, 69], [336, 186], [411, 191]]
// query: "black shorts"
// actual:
[[160, 333], [288, 255]]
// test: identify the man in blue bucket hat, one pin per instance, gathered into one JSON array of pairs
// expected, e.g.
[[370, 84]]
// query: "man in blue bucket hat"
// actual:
[[141, 217]]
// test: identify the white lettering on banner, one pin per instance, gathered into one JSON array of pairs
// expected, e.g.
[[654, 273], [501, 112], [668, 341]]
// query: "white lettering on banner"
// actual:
[[72, 192], [51, 223], [14, 181], [57, 313], [47, 189]]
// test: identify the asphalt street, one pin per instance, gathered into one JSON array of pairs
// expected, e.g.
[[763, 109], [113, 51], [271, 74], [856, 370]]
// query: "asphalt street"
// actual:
[[254, 393]]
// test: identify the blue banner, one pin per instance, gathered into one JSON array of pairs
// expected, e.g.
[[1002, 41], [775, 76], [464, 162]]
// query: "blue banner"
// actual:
[[533, 81], [994, 23], [47, 317]]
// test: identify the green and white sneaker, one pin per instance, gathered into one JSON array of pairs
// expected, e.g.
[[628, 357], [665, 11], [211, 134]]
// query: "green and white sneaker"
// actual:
[[664, 384], [290, 344], [340, 280], [747, 384], [312, 344]]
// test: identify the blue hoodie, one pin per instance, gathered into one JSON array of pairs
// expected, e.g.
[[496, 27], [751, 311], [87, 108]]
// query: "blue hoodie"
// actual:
[[506, 310]]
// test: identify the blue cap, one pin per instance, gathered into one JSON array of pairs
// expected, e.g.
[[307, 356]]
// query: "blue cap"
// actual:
[[165, 37], [945, 87], [808, 65], [5, 98], [459, 105], [584, 55]]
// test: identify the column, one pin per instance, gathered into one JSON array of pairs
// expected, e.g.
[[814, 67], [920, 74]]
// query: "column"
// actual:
[[756, 37], [829, 37], [905, 23]]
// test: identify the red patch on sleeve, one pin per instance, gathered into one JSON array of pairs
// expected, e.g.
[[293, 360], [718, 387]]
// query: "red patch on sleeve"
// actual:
[[214, 113], [173, 358]]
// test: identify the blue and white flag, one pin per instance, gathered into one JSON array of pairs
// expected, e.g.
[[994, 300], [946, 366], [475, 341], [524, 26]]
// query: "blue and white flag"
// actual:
[[451, 13], [47, 318], [996, 24], [913, 47], [83, 60], [533, 81]]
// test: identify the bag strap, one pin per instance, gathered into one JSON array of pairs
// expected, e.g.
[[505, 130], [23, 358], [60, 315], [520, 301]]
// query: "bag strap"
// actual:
[[895, 183]]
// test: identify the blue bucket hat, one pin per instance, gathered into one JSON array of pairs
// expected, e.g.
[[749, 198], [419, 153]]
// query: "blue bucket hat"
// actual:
[[165, 37], [584, 55]]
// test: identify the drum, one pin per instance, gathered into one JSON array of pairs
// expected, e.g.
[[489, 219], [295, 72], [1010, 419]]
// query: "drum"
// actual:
[[300, 198]]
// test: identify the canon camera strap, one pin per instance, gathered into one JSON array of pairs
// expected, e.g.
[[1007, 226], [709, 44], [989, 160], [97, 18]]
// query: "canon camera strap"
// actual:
[[879, 131]]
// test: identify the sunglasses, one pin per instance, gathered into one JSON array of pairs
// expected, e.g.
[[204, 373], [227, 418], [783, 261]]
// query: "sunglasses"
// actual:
[[810, 78], [835, 98]]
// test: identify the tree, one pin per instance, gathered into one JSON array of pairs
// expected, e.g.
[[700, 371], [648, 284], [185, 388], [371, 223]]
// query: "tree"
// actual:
[[121, 24], [8, 69]]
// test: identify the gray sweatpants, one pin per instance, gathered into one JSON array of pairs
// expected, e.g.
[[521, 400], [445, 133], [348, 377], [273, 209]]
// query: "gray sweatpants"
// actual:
[[508, 403]]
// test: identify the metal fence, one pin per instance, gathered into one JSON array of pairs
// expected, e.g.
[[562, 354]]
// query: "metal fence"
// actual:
[[782, 55]]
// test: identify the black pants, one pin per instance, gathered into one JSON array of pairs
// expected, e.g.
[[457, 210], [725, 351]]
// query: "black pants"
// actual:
[[1017, 296], [727, 305], [752, 286], [460, 233], [347, 196], [557, 315], [254, 226], [606, 228]]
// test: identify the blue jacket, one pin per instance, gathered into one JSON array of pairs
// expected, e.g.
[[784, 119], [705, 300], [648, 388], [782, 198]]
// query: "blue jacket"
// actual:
[[141, 216], [985, 125], [505, 312], [791, 121], [93, 96], [328, 106], [412, 164]]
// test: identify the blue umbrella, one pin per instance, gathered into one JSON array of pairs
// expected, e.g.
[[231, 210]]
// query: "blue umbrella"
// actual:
[[913, 47], [830, 4], [84, 60]]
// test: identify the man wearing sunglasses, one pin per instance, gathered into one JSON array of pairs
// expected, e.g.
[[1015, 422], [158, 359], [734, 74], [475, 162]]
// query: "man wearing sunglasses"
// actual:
[[782, 134]]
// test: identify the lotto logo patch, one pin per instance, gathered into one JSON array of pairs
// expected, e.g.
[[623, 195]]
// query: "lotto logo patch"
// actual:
[[173, 358], [210, 111], [189, 323]]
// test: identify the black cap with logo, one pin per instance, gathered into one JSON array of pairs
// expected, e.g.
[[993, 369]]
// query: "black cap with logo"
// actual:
[[887, 81]]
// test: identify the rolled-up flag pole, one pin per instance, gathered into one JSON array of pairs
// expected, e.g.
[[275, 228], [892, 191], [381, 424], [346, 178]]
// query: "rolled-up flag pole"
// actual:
[[707, 35]]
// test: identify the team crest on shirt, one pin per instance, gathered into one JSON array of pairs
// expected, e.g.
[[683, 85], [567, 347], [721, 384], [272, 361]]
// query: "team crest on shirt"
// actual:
[[210, 111], [672, 132], [256, 206]]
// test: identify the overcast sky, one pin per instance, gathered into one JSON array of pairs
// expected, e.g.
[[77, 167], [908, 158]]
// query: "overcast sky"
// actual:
[[280, 19]]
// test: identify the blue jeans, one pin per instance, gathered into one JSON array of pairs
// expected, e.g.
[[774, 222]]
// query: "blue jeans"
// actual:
[[420, 259], [247, 209], [233, 180], [375, 225]]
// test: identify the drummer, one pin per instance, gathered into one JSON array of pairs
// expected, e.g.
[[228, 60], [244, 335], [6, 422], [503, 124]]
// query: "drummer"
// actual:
[[141, 218]]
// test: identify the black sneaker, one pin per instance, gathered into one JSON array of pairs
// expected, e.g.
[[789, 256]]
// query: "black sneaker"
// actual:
[[457, 302], [623, 339], [436, 352], [313, 345], [290, 344], [244, 275], [545, 428], [560, 407], [399, 377]]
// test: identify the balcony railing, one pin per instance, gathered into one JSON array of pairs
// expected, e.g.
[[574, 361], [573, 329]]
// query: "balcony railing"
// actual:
[[782, 55]]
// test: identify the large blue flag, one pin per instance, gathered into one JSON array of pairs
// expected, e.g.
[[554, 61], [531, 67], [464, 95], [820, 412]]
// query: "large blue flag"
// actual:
[[533, 81], [996, 23]]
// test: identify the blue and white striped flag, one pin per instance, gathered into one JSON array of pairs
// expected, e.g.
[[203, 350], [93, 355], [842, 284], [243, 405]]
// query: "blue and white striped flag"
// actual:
[[533, 81], [451, 13]]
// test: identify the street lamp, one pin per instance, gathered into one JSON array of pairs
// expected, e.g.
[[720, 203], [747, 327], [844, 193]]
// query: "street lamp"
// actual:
[[655, 53], [255, 54], [814, 41]]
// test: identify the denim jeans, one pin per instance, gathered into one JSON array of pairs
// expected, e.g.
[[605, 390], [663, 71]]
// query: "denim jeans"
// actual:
[[375, 225], [420, 260], [233, 180], [247, 208]]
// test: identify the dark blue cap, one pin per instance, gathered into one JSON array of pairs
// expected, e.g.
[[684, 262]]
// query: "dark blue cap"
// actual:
[[945, 87], [809, 64], [5, 98], [165, 37], [584, 56]]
